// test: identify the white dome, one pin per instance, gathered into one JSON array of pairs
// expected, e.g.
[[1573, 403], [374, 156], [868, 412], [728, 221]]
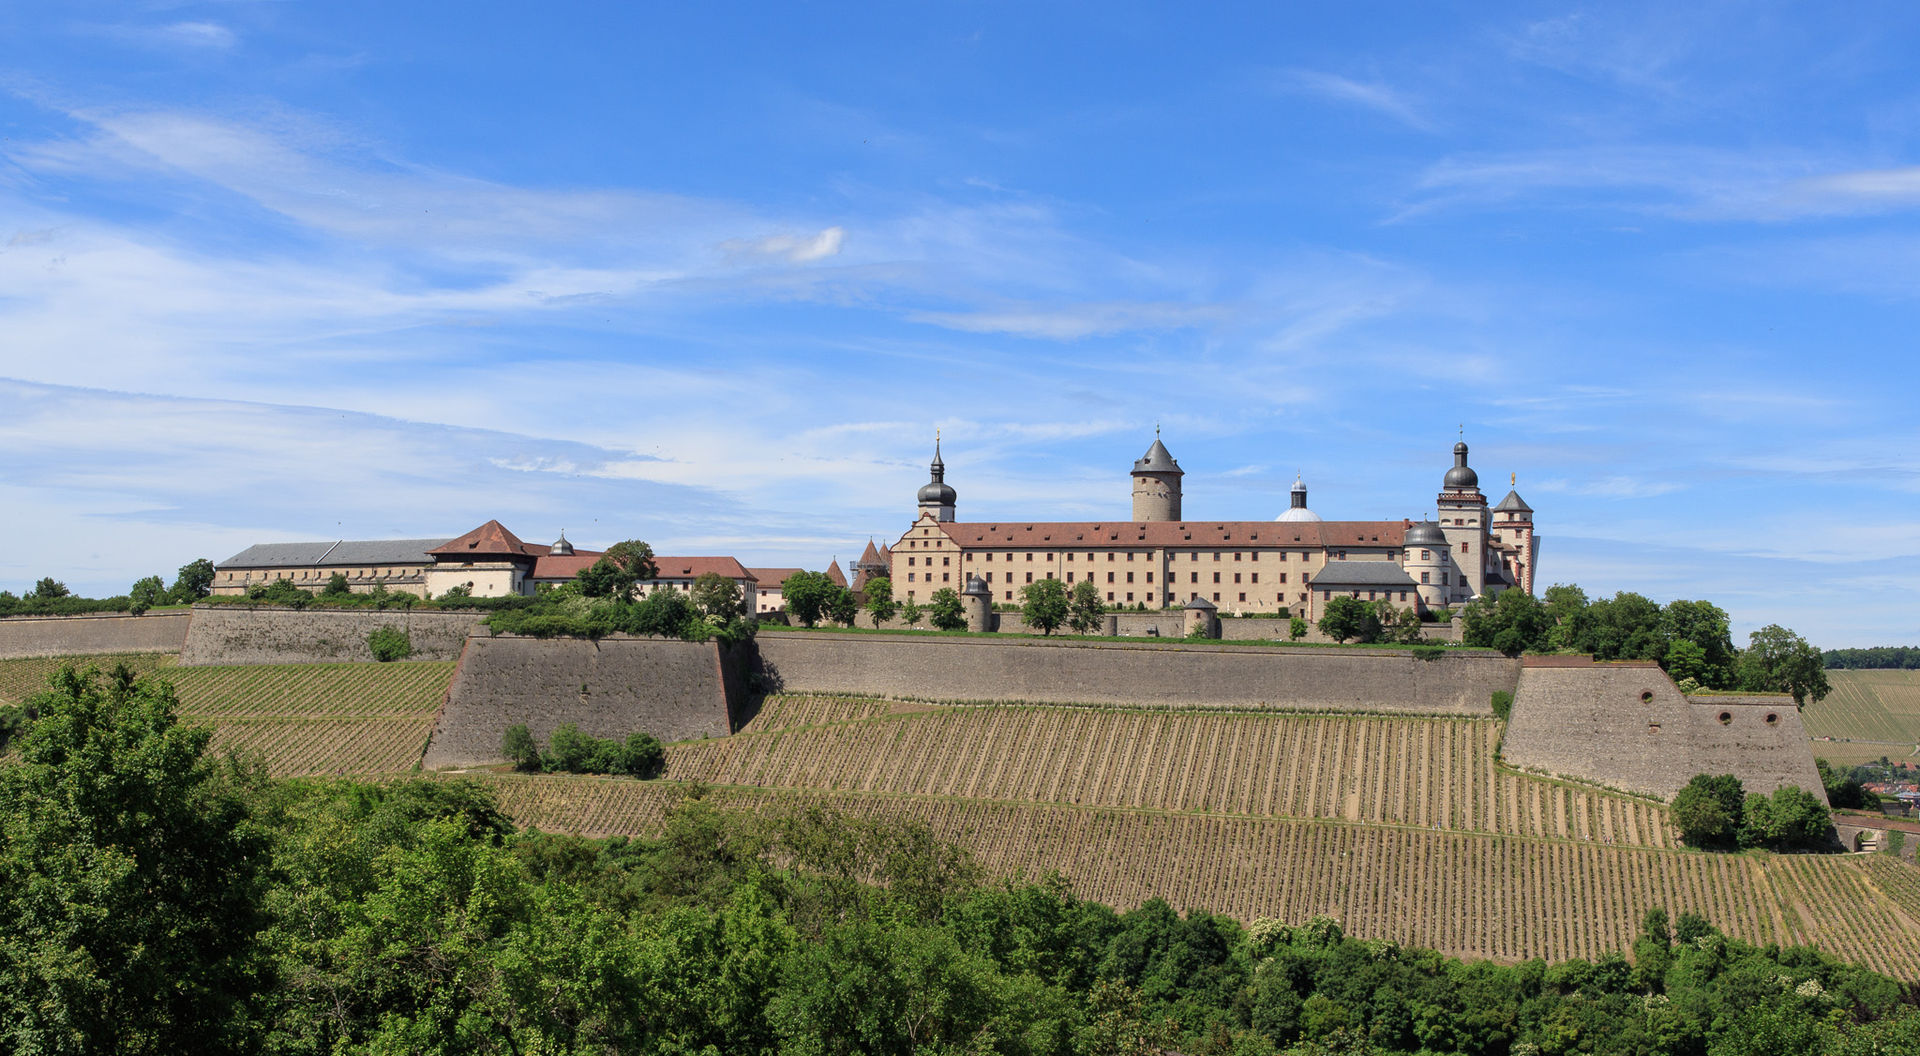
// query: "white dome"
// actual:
[[1298, 513]]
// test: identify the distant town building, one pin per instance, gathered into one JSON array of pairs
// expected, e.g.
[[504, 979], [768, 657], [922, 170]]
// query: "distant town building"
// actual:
[[1295, 562], [488, 562]]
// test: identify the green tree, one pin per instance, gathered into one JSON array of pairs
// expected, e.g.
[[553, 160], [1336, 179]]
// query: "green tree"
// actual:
[[661, 614], [718, 597], [1777, 660], [1086, 613], [389, 643], [807, 595], [569, 750], [1568, 621], [1791, 817], [1843, 791], [1401, 626], [1627, 626], [619, 571], [131, 879], [911, 613], [880, 604], [1512, 622], [48, 589], [194, 581], [842, 607], [145, 594], [337, 586], [1705, 627], [1349, 618], [518, 746], [1710, 810], [1044, 605], [1296, 628], [945, 611]]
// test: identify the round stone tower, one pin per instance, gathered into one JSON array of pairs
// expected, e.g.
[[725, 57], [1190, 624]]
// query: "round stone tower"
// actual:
[[1156, 484], [1202, 619], [977, 601], [1427, 563]]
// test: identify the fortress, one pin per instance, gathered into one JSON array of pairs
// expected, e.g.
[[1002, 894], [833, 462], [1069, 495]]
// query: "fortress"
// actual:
[[1294, 563]]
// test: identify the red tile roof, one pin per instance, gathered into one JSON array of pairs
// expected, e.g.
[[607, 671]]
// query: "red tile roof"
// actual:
[[1174, 535], [489, 540], [834, 573], [773, 578], [564, 566], [695, 567]]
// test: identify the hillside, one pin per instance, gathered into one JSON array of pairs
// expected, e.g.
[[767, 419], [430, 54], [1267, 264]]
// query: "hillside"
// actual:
[[1405, 829], [303, 718], [1869, 714]]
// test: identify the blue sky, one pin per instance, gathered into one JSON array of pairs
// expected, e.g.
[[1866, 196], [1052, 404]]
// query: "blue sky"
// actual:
[[711, 275]]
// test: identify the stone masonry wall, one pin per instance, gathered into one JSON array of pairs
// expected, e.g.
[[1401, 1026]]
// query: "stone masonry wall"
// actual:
[[611, 687], [1167, 673], [23, 636], [1627, 726], [232, 634]]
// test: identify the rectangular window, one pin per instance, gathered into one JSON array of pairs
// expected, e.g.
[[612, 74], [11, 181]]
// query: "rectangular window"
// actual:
[[989, 577], [1283, 577], [1216, 595], [1426, 555], [1069, 576], [946, 561], [1216, 555], [1216, 577], [1109, 577], [1463, 548], [910, 561], [1255, 577], [1009, 595], [1129, 577], [1129, 555], [1243, 595], [1049, 575], [1425, 577], [1149, 577], [1236, 555], [989, 557], [1129, 595], [910, 576], [946, 577], [1109, 555], [1029, 577], [1149, 595], [1236, 577], [1109, 595], [1029, 556], [1403, 595], [1193, 577]]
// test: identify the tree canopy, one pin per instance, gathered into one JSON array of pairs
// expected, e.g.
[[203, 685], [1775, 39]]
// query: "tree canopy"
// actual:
[[1044, 605]]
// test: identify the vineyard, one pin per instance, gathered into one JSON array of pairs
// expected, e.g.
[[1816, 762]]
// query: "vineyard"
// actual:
[[1881, 706], [1467, 894], [21, 679], [1427, 773]]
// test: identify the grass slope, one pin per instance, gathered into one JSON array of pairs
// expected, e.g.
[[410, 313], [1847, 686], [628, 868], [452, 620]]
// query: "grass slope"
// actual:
[[1877, 711]]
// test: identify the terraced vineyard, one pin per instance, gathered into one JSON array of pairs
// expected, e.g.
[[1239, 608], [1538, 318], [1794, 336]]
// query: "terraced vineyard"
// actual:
[[302, 718], [1877, 706], [1429, 773], [21, 679], [1472, 895]]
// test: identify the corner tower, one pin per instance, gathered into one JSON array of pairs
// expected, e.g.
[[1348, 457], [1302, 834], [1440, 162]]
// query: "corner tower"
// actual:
[[936, 496], [1156, 484]]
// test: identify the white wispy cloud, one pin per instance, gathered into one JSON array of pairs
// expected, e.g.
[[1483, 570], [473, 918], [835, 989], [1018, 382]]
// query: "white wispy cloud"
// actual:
[[1370, 95], [792, 248]]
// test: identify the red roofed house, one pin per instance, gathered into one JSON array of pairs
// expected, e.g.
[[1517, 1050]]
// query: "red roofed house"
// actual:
[[1295, 562]]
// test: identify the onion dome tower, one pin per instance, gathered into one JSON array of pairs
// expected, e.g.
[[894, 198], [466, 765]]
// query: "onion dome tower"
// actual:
[[1156, 484], [1298, 511], [561, 548], [1463, 519], [936, 496]]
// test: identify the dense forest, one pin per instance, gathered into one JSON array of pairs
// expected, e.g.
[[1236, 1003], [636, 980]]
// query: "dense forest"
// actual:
[[157, 898], [1882, 657]]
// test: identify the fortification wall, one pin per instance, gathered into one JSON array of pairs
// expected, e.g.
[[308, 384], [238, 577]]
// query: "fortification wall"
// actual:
[[159, 632], [1628, 726], [611, 687], [1169, 673], [233, 634]]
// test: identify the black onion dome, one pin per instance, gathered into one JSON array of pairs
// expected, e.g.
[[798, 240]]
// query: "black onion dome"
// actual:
[[1461, 476]]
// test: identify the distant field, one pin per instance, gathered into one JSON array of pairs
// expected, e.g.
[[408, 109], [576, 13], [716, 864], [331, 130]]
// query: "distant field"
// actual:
[[1882, 707], [302, 718], [1467, 894], [1428, 773]]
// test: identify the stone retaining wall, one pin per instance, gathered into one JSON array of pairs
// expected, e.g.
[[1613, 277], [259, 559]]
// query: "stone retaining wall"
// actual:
[[234, 634], [612, 687], [158, 632], [1167, 673], [1627, 726]]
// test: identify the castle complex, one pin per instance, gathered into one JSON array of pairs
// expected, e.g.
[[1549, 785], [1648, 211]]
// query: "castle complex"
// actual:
[[1294, 563]]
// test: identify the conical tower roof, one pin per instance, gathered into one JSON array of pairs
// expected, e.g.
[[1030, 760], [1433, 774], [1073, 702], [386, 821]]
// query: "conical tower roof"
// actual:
[[1157, 459]]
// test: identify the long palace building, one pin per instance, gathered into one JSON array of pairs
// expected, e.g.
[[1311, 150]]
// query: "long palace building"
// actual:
[[1295, 562]]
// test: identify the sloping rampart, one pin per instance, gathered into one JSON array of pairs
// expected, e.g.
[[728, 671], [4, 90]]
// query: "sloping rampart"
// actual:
[[235, 634], [611, 687], [1151, 674], [24, 636], [1627, 726]]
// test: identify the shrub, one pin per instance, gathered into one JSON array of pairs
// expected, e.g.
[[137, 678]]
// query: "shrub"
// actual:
[[570, 750], [389, 643], [1296, 628], [1428, 652], [336, 586], [1502, 704], [1709, 812], [517, 745]]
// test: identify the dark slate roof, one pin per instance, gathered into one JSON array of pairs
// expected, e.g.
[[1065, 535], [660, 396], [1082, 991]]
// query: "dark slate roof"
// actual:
[[1362, 574], [1157, 460], [1513, 502], [342, 552]]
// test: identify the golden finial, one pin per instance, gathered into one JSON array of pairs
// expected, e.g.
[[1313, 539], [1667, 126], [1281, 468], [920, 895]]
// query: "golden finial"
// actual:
[[1513, 480]]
